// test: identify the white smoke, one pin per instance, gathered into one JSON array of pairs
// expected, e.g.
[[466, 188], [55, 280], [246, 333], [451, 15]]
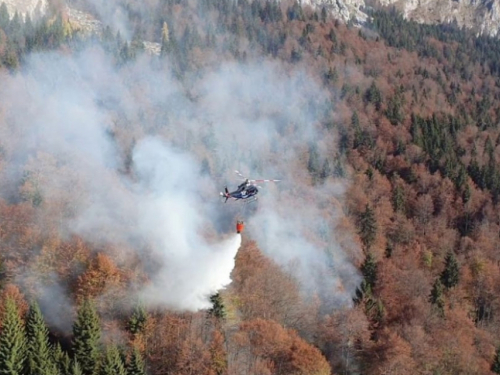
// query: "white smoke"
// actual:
[[71, 122]]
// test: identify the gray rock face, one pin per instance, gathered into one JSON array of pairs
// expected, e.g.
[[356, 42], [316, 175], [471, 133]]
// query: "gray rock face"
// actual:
[[34, 8], [343, 9], [482, 16]]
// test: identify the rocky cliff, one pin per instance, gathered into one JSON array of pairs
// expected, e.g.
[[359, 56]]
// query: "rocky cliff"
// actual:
[[482, 16], [34, 8]]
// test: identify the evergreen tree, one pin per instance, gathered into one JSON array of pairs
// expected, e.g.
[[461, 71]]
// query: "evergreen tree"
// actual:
[[112, 363], [86, 335], [369, 270], [450, 275], [313, 165], [138, 319], [61, 360], [4, 17], [39, 359], [12, 341], [495, 366], [436, 297], [76, 369], [136, 364], [218, 309], [398, 199], [367, 227], [326, 171], [373, 95]]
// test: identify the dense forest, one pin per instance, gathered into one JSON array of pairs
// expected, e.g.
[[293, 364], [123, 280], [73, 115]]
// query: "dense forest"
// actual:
[[386, 133]]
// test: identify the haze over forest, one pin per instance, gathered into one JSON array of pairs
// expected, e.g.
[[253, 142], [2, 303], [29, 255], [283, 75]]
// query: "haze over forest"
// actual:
[[376, 253]]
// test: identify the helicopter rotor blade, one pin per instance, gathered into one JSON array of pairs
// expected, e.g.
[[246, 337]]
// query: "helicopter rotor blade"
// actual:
[[264, 180], [239, 174]]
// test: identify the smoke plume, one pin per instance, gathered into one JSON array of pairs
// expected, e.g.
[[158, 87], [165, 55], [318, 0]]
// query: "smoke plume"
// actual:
[[138, 158]]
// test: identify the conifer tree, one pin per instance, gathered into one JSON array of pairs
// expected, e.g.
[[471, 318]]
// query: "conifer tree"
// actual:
[[4, 17], [112, 363], [367, 227], [86, 335], [61, 360], [218, 310], [436, 297], [76, 369], [495, 366], [39, 359], [136, 364], [313, 165], [12, 341], [398, 199], [326, 171], [369, 270], [138, 319], [450, 275]]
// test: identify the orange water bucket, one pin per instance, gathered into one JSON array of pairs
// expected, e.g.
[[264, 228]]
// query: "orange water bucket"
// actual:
[[239, 226]]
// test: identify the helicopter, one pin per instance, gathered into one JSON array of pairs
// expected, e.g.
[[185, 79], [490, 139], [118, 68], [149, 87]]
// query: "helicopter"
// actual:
[[246, 191]]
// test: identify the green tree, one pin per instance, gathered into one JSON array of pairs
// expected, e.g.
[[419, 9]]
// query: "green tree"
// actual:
[[373, 95], [86, 335], [367, 227], [436, 297], [495, 366], [313, 165], [369, 270], [398, 199], [138, 319], [451, 273], [112, 363], [12, 341], [4, 17], [326, 171], [38, 357], [218, 309], [76, 369], [61, 360], [136, 365]]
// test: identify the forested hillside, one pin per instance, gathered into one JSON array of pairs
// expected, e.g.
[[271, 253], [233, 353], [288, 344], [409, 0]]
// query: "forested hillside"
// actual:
[[377, 253]]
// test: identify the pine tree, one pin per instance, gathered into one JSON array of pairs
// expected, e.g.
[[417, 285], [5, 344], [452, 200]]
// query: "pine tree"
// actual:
[[436, 297], [495, 366], [4, 17], [61, 360], [76, 369], [367, 227], [112, 363], [218, 309], [86, 335], [450, 275], [136, 364], [398, 199], [12, 341], [313, 165], [39, 359], [138, 319], [326, 171], [369, 270]]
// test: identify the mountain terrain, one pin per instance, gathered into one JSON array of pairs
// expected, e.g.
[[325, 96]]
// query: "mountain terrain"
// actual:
[[377, 252]]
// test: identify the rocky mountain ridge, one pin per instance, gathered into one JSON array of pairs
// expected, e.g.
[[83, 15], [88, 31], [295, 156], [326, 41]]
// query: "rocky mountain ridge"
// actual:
[[482, 16]]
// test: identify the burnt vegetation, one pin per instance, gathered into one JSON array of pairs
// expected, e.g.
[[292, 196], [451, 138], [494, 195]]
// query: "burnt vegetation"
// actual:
[[416, 114]]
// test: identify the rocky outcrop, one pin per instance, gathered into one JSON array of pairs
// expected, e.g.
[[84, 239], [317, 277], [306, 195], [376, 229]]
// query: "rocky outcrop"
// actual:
[[482, 16], [343, 9], [83, 21], [35, 8]]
